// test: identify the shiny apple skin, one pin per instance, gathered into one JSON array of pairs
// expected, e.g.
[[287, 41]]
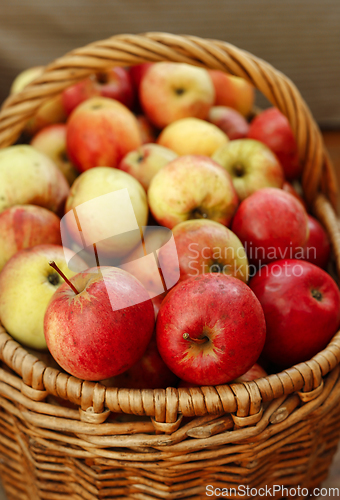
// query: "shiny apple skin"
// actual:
[[317, 249], [88, 337], [116, 83], [78, 93], [233, 91], [298, 325], [150, 372], [230, 121], [273, 129], [271, 225], [223, 309], [289, 188]]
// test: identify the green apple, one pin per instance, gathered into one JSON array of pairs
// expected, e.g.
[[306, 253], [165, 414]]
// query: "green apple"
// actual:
[[27, 283]]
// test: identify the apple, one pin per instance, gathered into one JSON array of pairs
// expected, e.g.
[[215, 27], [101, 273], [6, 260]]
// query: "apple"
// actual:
[[271, 224], [25, 226], [51, 141], [251, 164], [147, 130], [289, 188], [272, 128], [171, 91], [99, 324], [317, 249], [27, 283], [78, 93], [106, 207], [210, 329], [205, 246], [192, 187], [137, 73], [116, 83], [192, 136], [301, 304], [27, 176], [233, 91], [230, 121], [150, 372], [146, 161], [254, 373], [52, 111], [100, 132]]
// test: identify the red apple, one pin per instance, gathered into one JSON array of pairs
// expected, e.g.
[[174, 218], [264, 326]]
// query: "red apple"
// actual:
[[171, 91], [150, 372], [251, 165], [301, 304], [205, 246], [272, 128], [102, 330], [100, 132], [116, 83], [254, 373], [137, 73], [25, 226], [78, 93], [210, 329], [144, 162], [271, 224], [52, 142], [192, 187], [230, 121], [317, 249], [233, 92]]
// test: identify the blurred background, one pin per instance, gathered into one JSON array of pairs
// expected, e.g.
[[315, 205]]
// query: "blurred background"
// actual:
[[301, 38]]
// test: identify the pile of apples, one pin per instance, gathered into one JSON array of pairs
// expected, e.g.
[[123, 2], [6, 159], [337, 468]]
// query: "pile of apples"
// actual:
[[150, 235]]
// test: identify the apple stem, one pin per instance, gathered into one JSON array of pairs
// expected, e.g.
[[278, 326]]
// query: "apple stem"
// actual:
[[54, 265], [201, 340]]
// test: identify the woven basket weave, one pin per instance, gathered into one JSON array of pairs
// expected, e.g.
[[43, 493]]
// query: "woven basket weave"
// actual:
[[282, 429]]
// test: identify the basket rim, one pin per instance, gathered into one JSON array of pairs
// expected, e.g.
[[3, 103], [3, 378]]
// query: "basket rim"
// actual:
[[164, 405]]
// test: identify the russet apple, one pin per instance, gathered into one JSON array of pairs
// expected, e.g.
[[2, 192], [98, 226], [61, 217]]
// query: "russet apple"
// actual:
[[233, 91], [205, 246], [251, 165], [192, 136], [106, 207], [102, 326], [171, 91], [52, 111], [27, 283], [25, 226], [301, 304], [146, 161], [230, 121], [27, 176], [100, 132], [271, 224], [210, 329], [192, 187], [51, 141], [273, 129]]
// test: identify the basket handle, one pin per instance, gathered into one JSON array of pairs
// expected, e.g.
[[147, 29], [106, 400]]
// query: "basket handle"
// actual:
[[318, 174]]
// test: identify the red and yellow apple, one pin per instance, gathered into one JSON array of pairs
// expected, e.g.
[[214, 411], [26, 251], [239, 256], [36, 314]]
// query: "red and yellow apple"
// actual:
[[192, 187], [233, 91], [230, 121]]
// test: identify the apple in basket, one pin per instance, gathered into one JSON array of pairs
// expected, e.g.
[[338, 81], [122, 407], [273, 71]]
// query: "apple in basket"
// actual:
[[99, 323], [301, 304], [233, 91], [317, 249], [233, 124], [171, 91], [51, 141], [27, 176], [25, 226], [192, 187], [273, 129], [251, 165], [210, 329], [100, 132], [27, 284]]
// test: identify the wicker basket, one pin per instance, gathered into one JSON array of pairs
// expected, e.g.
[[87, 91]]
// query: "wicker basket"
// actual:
[[281, 430]]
